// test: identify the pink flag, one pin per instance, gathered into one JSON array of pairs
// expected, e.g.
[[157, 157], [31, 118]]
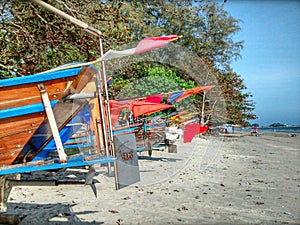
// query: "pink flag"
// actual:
[[153, 43], [143, 46], [154, 98]]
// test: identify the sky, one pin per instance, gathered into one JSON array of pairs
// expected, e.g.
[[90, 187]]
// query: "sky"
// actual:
[[270, 63]]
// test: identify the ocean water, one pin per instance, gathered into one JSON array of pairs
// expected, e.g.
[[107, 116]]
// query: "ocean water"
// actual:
[[288, 129]]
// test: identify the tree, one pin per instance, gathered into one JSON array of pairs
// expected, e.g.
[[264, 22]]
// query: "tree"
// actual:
[[239, 107], [33, 39], [205, 27]]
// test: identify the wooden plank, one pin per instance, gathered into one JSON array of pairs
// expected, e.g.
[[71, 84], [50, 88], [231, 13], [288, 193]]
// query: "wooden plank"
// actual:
[[7, 158], [15, 133], [96, 124], [52, 123], [80, 82], [24, 123], [26, 94]]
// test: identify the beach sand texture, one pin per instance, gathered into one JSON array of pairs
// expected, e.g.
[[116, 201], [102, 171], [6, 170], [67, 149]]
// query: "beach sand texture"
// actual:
[[212, 180]]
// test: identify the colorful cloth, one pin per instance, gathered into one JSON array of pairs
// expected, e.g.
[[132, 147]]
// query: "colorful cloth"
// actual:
[[193, 129]]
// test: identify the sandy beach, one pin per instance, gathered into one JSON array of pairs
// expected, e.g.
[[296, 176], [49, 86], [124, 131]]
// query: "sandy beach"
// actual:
[[212, 180]]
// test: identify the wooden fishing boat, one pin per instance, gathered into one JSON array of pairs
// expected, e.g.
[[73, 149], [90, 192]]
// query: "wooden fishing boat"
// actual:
[[22, 108]]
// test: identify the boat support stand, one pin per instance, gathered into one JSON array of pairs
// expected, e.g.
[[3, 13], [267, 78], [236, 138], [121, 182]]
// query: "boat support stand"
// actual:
[[7, 182]]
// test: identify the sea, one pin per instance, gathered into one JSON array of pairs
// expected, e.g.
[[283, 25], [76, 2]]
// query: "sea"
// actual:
[[286, 129]]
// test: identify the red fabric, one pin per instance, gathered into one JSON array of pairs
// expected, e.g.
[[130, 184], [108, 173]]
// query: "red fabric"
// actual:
[[116, 107], [191, 130], [154, 42], [193, 91], [143, 107], [154, 98], [137, 107]]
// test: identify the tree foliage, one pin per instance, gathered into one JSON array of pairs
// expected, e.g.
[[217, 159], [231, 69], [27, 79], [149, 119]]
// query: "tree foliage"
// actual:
[[205, 27], [151, 79], [33, 40], [162, 79], [239, 106]]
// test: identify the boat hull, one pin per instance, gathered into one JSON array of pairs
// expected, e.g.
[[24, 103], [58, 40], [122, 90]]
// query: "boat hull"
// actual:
[[15, 133], [22, 111], [26, 94]]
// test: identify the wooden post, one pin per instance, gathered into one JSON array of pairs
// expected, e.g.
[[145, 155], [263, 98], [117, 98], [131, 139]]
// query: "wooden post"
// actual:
[[52, 122], [5, 188]]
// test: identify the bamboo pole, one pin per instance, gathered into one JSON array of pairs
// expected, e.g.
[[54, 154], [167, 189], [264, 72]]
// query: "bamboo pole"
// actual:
[[83, 25]]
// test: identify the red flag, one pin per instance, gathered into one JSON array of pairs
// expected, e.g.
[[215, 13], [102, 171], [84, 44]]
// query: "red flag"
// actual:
[[193, 91], [143, 107], [116, 108], [137, 107], [191, 130]]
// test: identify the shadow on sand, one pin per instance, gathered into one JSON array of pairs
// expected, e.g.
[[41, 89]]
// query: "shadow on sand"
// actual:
[[50, 214], [163, 159]]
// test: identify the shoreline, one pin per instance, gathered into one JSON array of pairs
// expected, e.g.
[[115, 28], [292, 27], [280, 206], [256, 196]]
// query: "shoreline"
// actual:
[[269, 133], [288, 129]]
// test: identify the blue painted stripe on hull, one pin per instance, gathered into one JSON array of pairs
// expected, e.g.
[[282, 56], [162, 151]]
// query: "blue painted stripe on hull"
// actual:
[[39, 77], [121, 131], [140, 149], [23, 110], [74, 162]]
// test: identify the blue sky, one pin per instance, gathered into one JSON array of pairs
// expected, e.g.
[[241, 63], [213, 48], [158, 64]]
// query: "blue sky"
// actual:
[[270, 64]]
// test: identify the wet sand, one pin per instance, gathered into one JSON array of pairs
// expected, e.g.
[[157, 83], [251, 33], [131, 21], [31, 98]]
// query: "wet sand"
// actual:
[[212, 180]]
